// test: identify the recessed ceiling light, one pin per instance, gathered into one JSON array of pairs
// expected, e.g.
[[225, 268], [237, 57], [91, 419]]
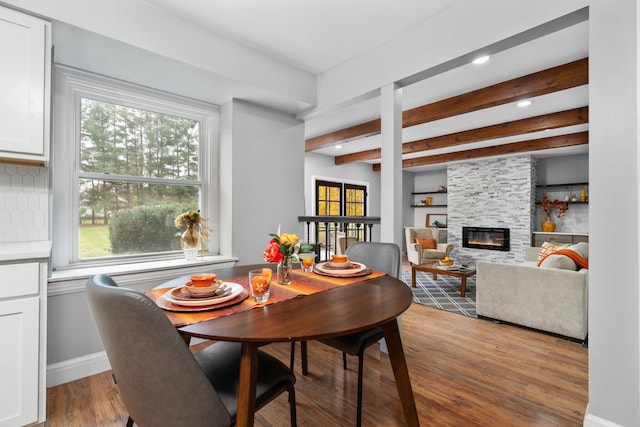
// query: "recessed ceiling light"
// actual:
[[523, 104], [481, 60], [338, 146]]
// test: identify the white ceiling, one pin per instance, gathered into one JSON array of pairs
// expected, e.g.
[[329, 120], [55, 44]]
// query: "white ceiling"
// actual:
[[316, 35]]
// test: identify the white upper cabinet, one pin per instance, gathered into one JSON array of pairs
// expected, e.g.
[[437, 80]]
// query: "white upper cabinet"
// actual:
[[25, 82]]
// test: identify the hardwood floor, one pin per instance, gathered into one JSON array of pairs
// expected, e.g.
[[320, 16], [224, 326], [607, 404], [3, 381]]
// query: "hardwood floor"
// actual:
[[464, 371]]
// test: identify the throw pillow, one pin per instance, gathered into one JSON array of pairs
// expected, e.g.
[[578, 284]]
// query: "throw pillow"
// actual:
[[582, 248], [546, 249], [576, 253], [427, 243], [559, 261]]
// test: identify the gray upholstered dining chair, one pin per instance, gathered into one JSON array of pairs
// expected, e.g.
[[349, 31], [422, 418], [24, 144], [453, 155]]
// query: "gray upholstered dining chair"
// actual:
[[378, 256], [161, 382]]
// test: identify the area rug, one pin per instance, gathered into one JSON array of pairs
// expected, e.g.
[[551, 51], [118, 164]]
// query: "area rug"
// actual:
[[443, 293]]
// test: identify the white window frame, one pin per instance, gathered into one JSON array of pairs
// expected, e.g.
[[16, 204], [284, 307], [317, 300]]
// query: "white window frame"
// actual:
[[71, 85]]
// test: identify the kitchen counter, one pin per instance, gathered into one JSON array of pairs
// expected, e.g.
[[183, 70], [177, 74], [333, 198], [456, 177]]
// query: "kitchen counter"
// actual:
[[16, 251]]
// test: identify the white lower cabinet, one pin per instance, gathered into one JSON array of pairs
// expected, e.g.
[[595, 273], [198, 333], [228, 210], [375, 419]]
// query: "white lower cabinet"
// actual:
[[23, 331], [19, 361]]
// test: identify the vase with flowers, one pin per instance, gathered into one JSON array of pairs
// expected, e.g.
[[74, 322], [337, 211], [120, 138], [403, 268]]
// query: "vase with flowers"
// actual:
[[190, 240], [548, 206], [283, 249]]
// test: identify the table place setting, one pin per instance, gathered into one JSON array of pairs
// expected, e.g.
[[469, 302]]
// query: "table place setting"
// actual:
[[202, 292], [340, 266]]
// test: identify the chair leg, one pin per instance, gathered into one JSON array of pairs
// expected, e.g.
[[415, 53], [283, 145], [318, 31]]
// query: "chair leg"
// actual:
[[292, 406], [303, 357], [360, 375], [292, 358]]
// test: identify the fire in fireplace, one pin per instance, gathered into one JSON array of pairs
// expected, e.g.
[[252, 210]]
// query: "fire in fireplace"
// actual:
[[492, 238]]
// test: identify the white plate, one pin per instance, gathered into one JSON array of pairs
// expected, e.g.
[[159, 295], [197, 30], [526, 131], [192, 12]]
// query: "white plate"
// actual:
[[236, 289], [338, 264], [358, 269]]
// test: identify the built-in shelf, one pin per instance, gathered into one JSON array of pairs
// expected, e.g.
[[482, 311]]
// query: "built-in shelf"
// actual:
[[429, 192], [428, 206], [571, 203], [575, 184]]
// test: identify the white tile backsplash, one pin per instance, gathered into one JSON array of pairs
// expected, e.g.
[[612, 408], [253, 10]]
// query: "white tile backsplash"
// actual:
[[24, 203]]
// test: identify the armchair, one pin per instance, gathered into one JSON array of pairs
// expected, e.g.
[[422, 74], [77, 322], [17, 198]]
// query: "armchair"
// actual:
[[416, 254]]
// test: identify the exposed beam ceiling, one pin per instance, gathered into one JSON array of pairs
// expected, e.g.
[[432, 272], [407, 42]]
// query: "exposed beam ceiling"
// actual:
[[571, 140], [572, 117], [547, 81]]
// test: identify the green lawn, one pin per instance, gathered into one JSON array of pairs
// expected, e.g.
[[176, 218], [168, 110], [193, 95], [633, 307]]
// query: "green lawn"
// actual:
[[94, 241]]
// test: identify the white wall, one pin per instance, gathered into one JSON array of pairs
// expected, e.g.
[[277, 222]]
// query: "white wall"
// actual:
[[614, 297], [263, 185]]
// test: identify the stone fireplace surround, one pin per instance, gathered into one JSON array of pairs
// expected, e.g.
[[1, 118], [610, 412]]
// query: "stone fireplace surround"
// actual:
[[492, 193]]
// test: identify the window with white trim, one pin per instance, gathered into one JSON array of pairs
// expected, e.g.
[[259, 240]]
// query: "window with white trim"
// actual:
[[127, 160]]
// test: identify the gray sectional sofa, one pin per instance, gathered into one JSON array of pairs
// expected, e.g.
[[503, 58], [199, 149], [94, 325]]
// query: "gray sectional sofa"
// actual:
[[548, 299]]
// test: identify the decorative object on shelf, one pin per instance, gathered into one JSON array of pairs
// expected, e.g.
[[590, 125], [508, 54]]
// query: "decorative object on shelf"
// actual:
[[190, 240], [548, 206], [566, 195], [583, 195], [428, 201], [442, 189], [574, 198], [437, 220], [283, 249], [548, 225]]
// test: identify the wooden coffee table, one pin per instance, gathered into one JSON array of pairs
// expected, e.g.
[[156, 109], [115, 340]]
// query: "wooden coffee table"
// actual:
[[435, 269]]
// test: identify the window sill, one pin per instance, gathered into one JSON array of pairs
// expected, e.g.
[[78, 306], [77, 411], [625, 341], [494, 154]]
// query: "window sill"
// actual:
[[73, 280]]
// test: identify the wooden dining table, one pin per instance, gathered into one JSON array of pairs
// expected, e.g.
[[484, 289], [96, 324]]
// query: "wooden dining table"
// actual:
[[340, 309]]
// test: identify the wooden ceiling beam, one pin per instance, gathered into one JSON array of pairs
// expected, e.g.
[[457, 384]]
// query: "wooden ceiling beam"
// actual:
[[554, 79], [560, 141], [550, 80], [560, 119], [361, 130]]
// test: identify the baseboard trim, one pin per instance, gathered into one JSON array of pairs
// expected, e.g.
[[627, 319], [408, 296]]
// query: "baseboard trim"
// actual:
[[591, 420], [74, 369]]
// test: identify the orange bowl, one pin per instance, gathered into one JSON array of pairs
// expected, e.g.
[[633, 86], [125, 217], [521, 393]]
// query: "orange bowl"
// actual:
[[338, 259], [203, 280]]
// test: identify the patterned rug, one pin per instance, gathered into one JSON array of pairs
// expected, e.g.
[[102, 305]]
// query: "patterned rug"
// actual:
[[443, 293]]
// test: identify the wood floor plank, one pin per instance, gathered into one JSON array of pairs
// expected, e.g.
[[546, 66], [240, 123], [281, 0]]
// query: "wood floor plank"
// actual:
[[464, 371]]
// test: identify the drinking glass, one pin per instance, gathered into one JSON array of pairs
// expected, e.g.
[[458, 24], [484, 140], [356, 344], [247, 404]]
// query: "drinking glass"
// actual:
[[260, 282], [306, 260]]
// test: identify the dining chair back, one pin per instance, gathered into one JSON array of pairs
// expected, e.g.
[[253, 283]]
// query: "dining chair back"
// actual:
[[377, 256], [161, 382]]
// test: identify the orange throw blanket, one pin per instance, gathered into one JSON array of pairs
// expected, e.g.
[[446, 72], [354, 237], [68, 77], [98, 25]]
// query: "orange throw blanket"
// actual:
[[575, 256]]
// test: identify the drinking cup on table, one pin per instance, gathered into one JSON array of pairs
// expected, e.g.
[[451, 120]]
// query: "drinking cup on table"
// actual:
[[260, 283], [306, 260]]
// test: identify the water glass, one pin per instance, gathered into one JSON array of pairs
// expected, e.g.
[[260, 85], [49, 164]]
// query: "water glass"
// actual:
[[306, 260], [260, 283]]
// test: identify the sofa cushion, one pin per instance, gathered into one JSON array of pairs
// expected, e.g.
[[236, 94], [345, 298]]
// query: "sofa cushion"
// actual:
[[578, 254], [561, 262], [429, 243]]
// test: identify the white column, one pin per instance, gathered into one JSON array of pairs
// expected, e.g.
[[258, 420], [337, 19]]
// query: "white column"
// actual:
[[391, 166]]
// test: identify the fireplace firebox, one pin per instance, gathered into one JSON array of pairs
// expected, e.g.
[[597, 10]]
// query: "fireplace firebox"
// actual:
[[492, 238]]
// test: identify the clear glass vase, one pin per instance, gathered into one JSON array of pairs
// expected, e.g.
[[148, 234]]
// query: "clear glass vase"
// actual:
[[190, 242], [284, 270]]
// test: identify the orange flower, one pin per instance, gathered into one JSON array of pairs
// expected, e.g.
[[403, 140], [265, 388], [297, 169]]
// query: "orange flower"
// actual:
[[272, 252]]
